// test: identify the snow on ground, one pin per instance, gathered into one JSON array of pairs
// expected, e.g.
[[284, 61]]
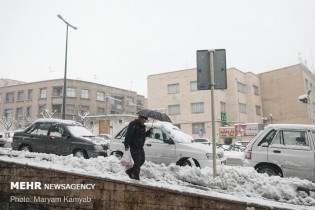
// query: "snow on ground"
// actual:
[[232, 182]]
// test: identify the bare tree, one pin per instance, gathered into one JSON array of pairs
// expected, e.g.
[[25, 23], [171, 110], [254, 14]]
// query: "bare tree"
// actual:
[[83, 118], [7, 122], [48, 113]]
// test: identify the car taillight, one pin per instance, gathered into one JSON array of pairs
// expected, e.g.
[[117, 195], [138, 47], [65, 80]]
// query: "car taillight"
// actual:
[[248, 154]]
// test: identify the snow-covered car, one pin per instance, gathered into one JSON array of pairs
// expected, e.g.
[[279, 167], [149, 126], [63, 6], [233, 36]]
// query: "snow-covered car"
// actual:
[[105, 139], [241, 143], [286, 150], [202, 141], [3, 139], [168, 144], [60, 137]]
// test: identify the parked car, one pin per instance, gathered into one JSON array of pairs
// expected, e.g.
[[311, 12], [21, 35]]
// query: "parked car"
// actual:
[[202, 141], [60, 137], [286, 150], [168, 144], [105, 139], [242, 143], [3, 139]]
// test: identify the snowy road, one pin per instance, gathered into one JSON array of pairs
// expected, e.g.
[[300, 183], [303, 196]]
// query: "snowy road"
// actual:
[[232, 182]]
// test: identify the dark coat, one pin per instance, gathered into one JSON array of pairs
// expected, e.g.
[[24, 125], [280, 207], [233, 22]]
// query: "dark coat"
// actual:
[[136, 134]]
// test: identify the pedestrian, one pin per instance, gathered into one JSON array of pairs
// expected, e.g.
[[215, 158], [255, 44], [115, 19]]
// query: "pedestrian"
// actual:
[[134, 140]]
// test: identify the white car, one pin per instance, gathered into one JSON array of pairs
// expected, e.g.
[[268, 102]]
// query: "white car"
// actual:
[[202, 141], [286, 150], [168, 144]]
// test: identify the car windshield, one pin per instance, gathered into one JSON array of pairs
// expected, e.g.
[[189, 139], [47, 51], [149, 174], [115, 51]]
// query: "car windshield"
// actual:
[[79, 131]]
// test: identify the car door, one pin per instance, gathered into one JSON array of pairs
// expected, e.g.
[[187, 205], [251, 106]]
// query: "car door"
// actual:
[[159, 147], [292, 151], [59, 144]]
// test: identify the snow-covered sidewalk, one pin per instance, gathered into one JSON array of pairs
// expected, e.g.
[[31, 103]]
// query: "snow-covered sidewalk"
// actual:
[[232, 182]]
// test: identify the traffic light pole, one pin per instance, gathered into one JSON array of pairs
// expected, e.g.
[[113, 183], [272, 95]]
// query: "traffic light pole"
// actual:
[[212, 84]]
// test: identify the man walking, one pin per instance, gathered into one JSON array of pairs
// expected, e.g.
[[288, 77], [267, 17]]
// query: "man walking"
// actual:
[[135, 138]]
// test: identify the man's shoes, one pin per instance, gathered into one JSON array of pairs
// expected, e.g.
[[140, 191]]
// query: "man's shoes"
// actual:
[[129, 172], [136, 178]]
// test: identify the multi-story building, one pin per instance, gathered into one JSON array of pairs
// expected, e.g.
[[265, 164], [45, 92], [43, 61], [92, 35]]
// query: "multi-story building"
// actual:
[[27, 101], [190, 109], [250, 99], [281, 89]]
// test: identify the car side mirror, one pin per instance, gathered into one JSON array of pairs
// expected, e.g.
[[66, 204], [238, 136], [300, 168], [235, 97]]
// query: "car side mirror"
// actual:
[[67, 135], [265, 144]]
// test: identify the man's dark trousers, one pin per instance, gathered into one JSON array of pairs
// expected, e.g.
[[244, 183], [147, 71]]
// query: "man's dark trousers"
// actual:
[[138, 157]]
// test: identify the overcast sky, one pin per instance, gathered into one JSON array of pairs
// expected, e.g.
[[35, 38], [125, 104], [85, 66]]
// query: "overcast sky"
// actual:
[[120, 42]]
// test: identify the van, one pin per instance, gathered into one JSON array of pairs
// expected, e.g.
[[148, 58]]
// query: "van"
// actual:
[[285, 150]]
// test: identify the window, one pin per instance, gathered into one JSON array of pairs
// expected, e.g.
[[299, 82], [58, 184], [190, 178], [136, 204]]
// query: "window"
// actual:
[[258, 108], [222, 106], [130, 101], [193, 86], [100, 96], [242, 108], [28, 111], [84, 109], [57, 108], [85, 93], [41, 108], [173, 88], [20, 96], [19, 113], [241, 87], [100, 110], [39, 128], [158, 134], [43, 93], [174, 109], [198, 127], [197, 107], [9, 97], [291, 138], [70, 92], [57, 91], [70, 109], [29, 94], [268, 138], [8, 113], [256, 90]]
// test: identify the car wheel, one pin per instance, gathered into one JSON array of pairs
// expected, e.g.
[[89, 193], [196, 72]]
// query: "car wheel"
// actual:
[[118, 155], [25, 148], [270, 170], [185, 163], [80, 154]]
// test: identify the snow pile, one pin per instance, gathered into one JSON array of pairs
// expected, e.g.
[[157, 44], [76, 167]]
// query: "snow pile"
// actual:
[[176, 134], [232, 182]]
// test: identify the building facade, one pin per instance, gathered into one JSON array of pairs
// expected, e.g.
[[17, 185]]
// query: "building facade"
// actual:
[[28, 101], [190, 109], [281, 89], [250, 100]]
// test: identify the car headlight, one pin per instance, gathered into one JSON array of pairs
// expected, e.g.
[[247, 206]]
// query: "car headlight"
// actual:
[[209, 156], [98, 147]]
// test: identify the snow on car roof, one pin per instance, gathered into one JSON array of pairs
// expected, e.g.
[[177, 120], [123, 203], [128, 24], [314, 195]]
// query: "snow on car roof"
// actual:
[[292, 126], [176, 134], [58, 121]]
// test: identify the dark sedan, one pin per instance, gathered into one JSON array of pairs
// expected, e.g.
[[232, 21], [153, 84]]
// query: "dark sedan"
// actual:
[[60, 137]]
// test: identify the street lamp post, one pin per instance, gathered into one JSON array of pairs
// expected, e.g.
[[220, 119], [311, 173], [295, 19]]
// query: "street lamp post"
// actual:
[[65, 76]]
